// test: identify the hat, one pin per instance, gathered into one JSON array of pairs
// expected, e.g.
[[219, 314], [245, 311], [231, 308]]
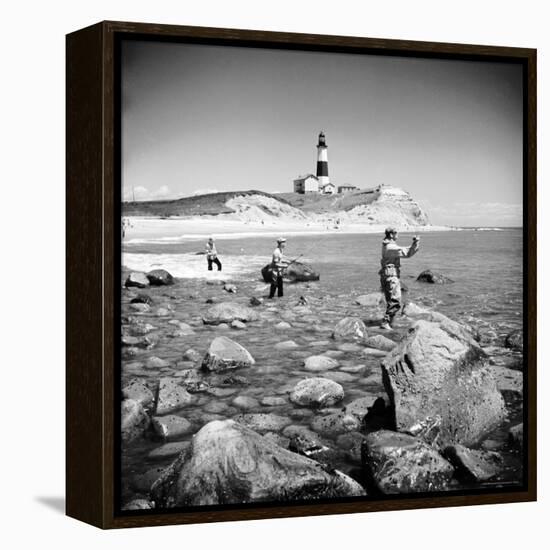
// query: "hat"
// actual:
[[281, 240], [389, 230]]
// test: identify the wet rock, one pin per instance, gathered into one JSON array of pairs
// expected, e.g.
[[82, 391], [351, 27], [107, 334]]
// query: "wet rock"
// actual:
[[304, 441], [226, 312], [171, 426], [288, 344], [298, 272], [350, 327], [228, 463], [401, 463], [139, 504], [139, 392], [142, 299], [239, 325], [156, 363], [491, 445], [136, 279], [432, 277], [373, 300], [320, 363], [140, 308], [162, 312], [338, 376], [224, 354], [474, 465], [168, 450], [232, 289], [514, 340], [183, 328], [380, 342], [262, 423], [142, 483], [360, 407], [192, 380], [283, 325], [256, 301], [352, 444], [277, 439], [507, 380], [192, 355], [216, 407], [515, 436], [335, 424], [273, 401], [134, 420], [439, 389], [317, 392], [160, 277], [172, 396], [245, 402]]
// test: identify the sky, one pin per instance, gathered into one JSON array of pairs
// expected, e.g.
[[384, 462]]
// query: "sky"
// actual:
[[200, 118]]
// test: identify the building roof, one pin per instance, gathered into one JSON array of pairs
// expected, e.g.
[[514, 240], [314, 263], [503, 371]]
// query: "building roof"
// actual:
[[302, 178]]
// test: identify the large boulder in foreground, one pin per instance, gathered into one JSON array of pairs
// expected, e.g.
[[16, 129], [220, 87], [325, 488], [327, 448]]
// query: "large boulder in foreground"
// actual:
[[401, 463], [227, 463], [225, 354], [160, 277], [317, 392], [297, 272], [350, 327], [226, 312], [439, 388], [429, 276]]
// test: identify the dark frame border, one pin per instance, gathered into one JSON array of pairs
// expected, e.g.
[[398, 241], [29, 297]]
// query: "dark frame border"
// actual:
[[93, 266]]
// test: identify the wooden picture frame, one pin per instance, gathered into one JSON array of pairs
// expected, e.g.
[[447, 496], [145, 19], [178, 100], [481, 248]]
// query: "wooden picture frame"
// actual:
[[93, 267]]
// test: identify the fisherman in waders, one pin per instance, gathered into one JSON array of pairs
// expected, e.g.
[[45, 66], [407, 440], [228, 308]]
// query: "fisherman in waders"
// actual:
[[212, 255], [391, 272], [278, 265]]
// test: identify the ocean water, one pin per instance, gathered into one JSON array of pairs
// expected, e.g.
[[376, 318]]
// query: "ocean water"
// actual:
[[487, 292]]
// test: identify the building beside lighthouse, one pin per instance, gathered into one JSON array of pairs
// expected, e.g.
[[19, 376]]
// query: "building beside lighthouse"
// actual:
[[320, 182]]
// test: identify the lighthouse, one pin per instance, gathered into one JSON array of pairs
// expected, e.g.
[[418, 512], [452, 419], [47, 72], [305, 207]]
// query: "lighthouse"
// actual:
[[322, 162]]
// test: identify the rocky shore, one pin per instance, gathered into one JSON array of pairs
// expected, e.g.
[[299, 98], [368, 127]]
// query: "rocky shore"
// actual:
[[228, 397]]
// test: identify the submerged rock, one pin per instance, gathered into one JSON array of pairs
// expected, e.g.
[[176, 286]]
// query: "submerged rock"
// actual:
[[439, 388], [350, 327], [335, 424], [228, 463], [373, 300], [168, 450], [317, 392], [401, 463], [514, 340], [224, 354], [262, 422], [319, 363], [287, 344], [136, 279], [160, 277], [474, 465], [226, 312], [172, 396], [134, 420], [432, 277]]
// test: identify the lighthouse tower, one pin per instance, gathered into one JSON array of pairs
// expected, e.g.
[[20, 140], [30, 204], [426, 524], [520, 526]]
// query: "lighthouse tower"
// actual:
[[322, 161]]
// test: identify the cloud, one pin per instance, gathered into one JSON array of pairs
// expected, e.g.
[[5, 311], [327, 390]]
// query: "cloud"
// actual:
[[141, 193]]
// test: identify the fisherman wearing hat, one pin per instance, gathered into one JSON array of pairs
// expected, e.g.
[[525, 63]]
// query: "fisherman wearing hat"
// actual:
[[391, 272], [212, 255], [278, 265]]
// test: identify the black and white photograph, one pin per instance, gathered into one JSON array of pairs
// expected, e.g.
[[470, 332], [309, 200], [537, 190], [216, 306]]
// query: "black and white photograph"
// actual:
[[322, 276]]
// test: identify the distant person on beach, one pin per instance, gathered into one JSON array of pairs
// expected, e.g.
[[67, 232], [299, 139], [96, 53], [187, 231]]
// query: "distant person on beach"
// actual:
[[278, 265], [390, 273], [212, 255]]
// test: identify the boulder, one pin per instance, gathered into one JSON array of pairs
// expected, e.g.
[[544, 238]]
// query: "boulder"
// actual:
[[474, 465], [317, 392], [226, 312], [172, 396], [227, 463], [262, 422], [401, 463], [514, 340], [134, 420], [298, 272], [139, 392], [137, 279], [439, 388], [283, 325], [320, 363], [224, 354], [335, 424], [429, 276], [160, 277], [171, 426], [380, 342], [360, 407], [350, 327]]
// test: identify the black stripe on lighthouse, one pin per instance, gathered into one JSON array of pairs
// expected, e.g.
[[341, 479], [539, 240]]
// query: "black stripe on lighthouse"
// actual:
[[322, 168]]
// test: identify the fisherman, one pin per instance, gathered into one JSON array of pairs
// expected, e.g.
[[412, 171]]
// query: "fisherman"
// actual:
[[391, 272], [278, 265], [212, 255]]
